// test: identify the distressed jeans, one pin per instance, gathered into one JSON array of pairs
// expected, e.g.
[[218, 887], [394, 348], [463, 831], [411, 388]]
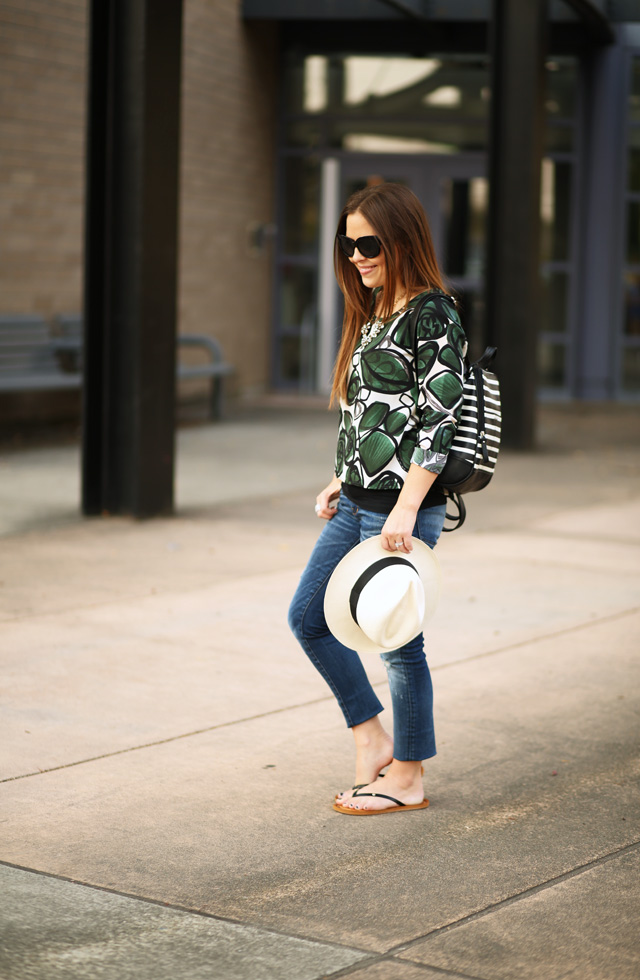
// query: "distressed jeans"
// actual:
[[407, 669]]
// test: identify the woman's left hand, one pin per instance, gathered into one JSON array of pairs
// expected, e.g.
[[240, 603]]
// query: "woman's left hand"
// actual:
[[398, 529]]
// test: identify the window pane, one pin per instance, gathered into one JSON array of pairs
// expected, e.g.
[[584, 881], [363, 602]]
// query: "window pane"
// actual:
[[631, 370], [307, 132], [633, 233], [301, 205], [555, 207], [386, 84], [562, 78], [634, 95], [358, 183], [465, 216], [634, 159], [307, 83], [406, 136], [554, 296], [440, 85], [551, 364], [298, 323], [632, 304], [297, 301], [559, 139], [471, 308]]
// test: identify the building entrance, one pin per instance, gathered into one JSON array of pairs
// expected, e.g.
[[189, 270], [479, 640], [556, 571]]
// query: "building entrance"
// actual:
[[352, 118], [453, 192]]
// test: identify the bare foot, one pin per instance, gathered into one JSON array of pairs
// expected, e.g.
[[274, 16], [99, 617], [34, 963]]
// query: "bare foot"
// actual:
[[402, 781], [374, 751]]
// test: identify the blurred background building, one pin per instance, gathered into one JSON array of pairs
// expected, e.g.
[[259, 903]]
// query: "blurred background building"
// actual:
[[290, 105]]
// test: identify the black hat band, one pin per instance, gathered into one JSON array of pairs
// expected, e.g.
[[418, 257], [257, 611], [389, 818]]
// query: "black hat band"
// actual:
[[366, 577]]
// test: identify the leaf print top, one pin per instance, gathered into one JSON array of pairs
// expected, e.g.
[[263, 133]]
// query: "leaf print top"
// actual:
[[403, 398]]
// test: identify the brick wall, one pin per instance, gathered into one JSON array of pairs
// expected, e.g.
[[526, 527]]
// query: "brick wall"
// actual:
[[42, 99], [228, 149], [226, 174]]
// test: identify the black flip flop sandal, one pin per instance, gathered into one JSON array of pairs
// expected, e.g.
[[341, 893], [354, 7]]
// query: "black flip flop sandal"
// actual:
[[373, 813]]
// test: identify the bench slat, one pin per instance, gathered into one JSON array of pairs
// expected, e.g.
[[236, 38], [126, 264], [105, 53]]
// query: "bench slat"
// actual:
[[33, 359]]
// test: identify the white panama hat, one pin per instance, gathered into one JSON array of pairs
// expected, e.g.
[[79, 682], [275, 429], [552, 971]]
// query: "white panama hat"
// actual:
[[377, 600]]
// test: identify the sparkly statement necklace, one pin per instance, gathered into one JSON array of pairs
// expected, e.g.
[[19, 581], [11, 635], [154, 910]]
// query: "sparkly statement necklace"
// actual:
[[370, 330]]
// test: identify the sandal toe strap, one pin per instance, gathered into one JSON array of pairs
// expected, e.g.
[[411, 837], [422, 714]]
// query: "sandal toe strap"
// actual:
[[382, 796]]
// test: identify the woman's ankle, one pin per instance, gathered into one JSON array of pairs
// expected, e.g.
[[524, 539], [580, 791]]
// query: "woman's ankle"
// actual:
[[406, 774], [370, 733]]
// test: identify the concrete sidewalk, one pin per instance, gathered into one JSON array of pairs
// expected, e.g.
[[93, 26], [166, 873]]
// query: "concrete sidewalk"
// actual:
[[168, 756]]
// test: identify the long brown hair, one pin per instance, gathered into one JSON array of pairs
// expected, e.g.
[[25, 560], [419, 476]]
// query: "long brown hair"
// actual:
[[399, 221]]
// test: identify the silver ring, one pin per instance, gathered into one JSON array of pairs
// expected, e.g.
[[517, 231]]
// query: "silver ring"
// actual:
[[317, 508], [399, 544]]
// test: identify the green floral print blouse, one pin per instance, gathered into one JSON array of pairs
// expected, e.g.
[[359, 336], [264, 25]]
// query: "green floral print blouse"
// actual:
[[397, 412]]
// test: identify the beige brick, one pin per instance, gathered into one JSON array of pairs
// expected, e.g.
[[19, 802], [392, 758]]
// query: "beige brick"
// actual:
[[227, 179]]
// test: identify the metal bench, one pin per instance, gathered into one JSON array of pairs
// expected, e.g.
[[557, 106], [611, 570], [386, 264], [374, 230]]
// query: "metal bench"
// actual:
[[35, 358]]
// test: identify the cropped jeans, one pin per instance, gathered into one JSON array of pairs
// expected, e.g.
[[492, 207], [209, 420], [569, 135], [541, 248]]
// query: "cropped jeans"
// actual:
[[407, 669]]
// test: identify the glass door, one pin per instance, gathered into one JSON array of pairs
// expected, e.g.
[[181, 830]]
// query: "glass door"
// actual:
[[453, 190]]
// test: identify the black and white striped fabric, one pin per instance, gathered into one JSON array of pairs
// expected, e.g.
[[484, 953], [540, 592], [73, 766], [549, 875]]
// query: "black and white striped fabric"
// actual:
[[474, 451]]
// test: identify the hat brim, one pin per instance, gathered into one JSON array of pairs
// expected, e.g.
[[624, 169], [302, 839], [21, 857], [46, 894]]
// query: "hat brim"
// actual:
[[336, 601]]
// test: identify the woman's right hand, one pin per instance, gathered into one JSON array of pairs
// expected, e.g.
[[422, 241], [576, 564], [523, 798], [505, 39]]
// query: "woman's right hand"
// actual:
[[326, 501]]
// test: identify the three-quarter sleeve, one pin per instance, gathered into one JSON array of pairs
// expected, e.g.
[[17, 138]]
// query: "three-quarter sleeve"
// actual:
[[440, 350]]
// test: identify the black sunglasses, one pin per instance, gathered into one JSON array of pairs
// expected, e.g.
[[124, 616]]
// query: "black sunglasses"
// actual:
[[369, 245]]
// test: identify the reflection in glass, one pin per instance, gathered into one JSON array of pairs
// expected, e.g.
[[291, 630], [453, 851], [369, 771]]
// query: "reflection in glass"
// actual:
[[634, 94], [368, 78], [297, 302], [554, 301], [634, 159], [470, 305], [551, 364], [631, 370], [307, 132], [633, 232], [353, 184], [387, 85], [559, 138], [632, 304], [465, 215], [447, 96], [298, 324], [290, 361], [316, 84], [406, 136], [555, 202], [562, 85], [301, 205]]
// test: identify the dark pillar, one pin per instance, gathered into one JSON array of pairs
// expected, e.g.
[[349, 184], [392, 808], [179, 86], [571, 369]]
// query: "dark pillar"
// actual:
[[518, 37], [604, 87], [131, 239]]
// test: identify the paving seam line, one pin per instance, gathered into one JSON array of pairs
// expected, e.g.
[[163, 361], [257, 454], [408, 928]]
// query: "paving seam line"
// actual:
[[174, 907], [307, 704], [565, 631], [369, 959], [356, 968], [517, 897], [154, 595]]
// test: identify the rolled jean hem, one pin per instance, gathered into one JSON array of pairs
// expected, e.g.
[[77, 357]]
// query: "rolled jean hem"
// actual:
[[423, 758]]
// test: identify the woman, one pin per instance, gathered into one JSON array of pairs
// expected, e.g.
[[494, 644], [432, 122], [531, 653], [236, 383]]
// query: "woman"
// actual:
[[400, 393]]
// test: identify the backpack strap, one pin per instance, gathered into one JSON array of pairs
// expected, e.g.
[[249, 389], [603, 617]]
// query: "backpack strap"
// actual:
[[487, 358], [456, 499]]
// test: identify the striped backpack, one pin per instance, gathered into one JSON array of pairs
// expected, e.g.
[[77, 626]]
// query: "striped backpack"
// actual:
[[474, 451]]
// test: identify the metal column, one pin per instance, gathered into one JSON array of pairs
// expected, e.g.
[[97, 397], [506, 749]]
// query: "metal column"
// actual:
[[600, 215], [518, 43], [131, 248]]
